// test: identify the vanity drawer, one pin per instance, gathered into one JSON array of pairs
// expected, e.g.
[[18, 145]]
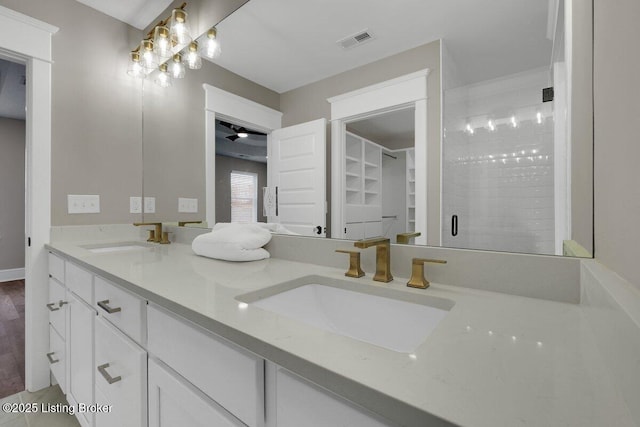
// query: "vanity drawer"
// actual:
[[230, 375], [124, 310], [56, 357], [56, 306], [120, 371], [56, 267], [80, 282]]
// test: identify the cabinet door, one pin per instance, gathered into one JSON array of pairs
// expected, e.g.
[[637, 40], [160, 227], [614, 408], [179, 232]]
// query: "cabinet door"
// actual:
[[57, 359], [80, 355], [121, 378], [301, 403], [175, 402]]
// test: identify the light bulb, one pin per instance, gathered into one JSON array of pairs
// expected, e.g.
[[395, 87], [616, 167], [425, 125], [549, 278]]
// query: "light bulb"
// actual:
[[193, 59], [163, 79], [135, 68], [513, 122], [539, 117], [180, 32], [211, 47], [469, 129], [492, 127], [242, 133], [177, 67], [149, 59], [161, 45]]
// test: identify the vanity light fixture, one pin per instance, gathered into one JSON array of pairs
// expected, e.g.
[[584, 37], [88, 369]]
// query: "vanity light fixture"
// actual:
[[513, 122], [177, 68], [211, 46], [194, 62], [491, 125], [161, 44], [180, 32], [170, 48], [539, 117], [163, 78], [135, 68]]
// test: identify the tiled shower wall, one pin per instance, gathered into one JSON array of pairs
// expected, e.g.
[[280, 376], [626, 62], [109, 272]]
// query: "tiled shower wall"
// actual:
[[498, 165]]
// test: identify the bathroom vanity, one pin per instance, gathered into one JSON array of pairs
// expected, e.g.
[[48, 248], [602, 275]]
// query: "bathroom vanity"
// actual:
[[165, 336]]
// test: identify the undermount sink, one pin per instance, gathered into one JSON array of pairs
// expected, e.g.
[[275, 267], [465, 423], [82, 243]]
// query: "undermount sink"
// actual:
[[396, 320], [117, 247]]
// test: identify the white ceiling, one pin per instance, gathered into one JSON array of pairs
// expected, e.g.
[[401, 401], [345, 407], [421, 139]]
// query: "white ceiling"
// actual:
[[394, 130], [137, 13], [284, 44]]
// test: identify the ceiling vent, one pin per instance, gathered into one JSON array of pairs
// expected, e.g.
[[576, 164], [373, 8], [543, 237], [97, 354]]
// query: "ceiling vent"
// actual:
[[357, 39]]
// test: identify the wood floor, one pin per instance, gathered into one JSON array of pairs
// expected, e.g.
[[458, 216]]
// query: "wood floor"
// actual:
[[11, 337]]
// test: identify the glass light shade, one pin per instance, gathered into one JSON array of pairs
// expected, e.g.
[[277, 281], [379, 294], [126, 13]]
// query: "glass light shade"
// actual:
[[176, 67], [179, 27], [161, 42], [211, 45], [193, 60], [242, 133], [163, 79], [148, 57], [135, 68]]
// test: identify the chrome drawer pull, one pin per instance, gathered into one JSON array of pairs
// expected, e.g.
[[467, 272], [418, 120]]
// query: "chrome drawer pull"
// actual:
[[61, 303], [51, 359], [103, 370], [50, 306], [105, 306]]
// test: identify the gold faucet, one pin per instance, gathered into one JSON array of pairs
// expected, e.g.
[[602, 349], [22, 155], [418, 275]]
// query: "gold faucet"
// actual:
[[354, 263], [403, 238], [417, 272], [383, 257], [156, 236]]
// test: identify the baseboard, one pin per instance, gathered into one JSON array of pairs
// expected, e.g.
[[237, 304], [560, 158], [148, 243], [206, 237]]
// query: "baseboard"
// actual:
[[11, 274]]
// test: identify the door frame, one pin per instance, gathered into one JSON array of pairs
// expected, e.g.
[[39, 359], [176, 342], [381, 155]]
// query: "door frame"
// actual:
[[406, 91], [28, 41], [220, 104]]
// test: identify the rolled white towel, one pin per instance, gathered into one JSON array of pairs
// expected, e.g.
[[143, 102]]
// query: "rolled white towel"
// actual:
[[233, 242]]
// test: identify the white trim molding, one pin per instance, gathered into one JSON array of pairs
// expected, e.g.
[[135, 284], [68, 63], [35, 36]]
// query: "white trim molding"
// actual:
[[27, 40], [228, 106], [408, 91], [11, 274]]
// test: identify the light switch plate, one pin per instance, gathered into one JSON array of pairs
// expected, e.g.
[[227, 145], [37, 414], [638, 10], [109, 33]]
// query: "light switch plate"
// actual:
[[80, 204], [186, 205], [135, 204], [149, 205]]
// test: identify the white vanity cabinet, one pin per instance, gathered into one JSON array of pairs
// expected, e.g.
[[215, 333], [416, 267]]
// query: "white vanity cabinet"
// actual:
[[57, 307]]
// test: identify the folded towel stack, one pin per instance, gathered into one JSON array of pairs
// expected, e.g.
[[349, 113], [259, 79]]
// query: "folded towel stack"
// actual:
[[233, 242]]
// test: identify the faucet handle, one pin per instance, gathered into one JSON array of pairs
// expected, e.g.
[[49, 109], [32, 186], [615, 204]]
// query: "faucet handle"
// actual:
[[417, 279], [354, 263]]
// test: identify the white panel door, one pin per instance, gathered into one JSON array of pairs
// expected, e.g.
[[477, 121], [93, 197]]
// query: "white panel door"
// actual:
[[297, 169]]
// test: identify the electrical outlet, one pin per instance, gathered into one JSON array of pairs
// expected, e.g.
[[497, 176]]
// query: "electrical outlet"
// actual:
[[135, 204], [80, 204], [187, 205], [149, 205]]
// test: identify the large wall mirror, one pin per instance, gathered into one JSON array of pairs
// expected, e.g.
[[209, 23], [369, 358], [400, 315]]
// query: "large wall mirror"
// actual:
[[484, 139]]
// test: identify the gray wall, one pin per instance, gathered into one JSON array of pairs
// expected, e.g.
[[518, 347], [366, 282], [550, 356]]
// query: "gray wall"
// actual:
[[617, 176], [12, 149], [96, 118], [310, 102], [224, 167]]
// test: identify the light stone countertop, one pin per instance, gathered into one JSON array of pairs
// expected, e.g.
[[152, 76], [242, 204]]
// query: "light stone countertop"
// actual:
[[495, 359]]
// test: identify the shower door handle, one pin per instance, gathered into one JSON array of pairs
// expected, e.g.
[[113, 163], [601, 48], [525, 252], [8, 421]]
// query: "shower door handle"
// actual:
[[454, 225]]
